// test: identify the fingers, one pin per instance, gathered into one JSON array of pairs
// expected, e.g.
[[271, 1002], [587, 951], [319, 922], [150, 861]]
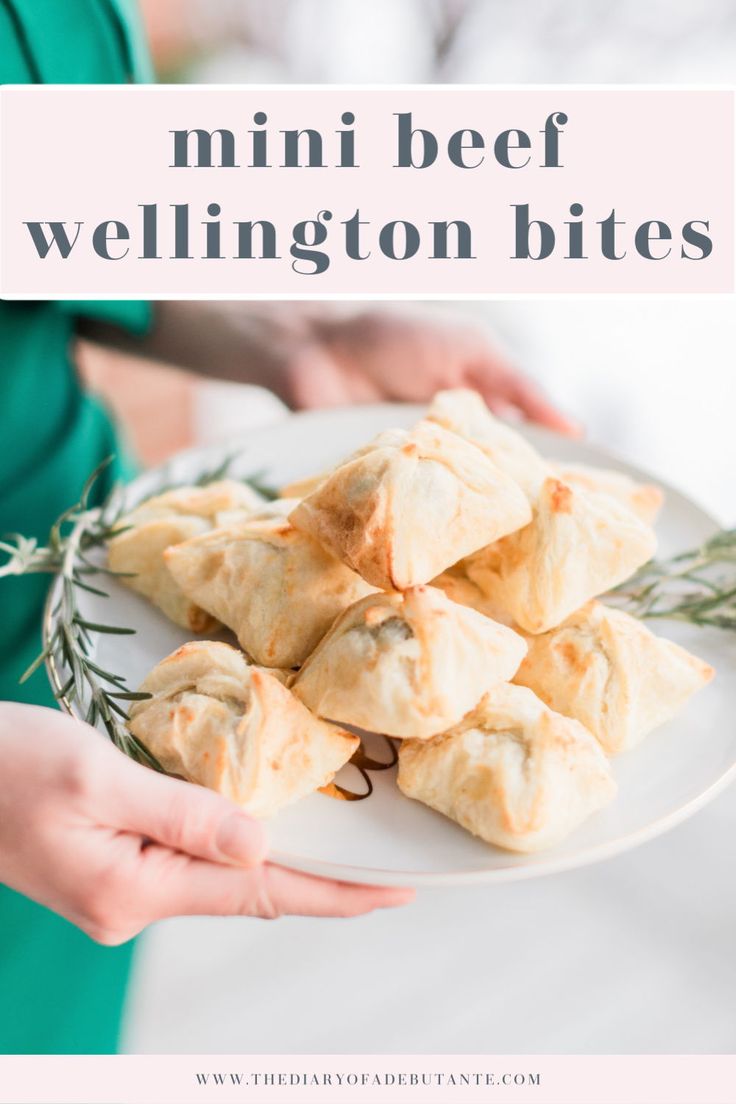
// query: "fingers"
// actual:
[[531, 402], [173, 885], [502, 408], [507, 391], [183, 816], [317, 381], [292, 893]]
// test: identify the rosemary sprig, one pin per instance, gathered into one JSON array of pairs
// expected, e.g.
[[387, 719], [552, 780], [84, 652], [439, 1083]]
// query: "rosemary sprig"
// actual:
[[96, 526], [80, 530], [69, 645], [698, 586]]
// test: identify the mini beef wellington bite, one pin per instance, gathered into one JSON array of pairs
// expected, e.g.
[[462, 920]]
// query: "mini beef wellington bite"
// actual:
[[411, 504], [644, 499], [300, 488], [578, 545], [274, 586], [407, 664], [608, 671], [464, 412], [512, 772], [236, 729], [267, 511], [169, 519], [458, 587]]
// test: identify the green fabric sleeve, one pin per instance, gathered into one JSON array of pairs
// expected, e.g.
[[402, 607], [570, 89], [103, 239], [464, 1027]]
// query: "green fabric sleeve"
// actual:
[[132, 314]]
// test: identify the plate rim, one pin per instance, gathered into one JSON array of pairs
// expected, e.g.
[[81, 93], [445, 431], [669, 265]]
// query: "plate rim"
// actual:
[[484, 875]]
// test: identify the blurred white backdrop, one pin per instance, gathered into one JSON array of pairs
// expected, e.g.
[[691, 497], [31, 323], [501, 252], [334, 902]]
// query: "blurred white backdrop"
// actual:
[[536, 41], [653, 380], [636, 954]]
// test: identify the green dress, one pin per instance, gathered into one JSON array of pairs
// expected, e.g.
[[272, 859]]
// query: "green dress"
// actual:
[[59, 992]]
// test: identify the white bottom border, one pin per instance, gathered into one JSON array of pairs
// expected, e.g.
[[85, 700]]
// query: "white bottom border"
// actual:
[[368, 1079]]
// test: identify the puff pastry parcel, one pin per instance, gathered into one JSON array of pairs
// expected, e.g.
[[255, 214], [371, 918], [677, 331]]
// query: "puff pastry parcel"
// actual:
[[645, 499], [300, 488], [512, 772], [578, 545], [465, 413], [459, 588], [608, 671], [410, 505], [407, 664], [266, 511], [274, 586], [214, 720], [168, 519]]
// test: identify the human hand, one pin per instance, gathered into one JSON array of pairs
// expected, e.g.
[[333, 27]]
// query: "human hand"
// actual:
[[310, 357], [113, 846], [380, 355]]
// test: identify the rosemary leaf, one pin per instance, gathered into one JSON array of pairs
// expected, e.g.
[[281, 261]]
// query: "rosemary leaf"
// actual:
[[108, 676], [65, 689], [114, 707], [117, 630], [698, 586], [90, 589], [38, 661]]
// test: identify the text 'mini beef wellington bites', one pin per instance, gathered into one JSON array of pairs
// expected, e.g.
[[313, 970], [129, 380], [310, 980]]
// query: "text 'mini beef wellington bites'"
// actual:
[[578, 545], [608, 671], [167, 519], [512, 772], [407, 663], [411, 504], [236, 729], [274, 586]]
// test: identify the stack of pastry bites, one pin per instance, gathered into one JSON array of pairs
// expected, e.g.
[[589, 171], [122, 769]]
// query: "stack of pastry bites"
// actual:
[[438, 587]]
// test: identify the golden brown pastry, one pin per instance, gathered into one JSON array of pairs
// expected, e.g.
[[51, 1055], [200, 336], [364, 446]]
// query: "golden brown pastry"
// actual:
[[208, 501], [459, 588], [608, 671], [645, 499], [407, 664], [168, 519], [300, 488], [579, 545], [235, 729], [512, 772], [464, 412], [410, 505], [264, 511], [274, 586]]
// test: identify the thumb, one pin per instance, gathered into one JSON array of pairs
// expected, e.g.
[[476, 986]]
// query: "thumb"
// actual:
[[183, 816]]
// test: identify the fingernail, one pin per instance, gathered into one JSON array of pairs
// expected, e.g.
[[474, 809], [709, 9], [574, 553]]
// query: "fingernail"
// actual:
[[241, 839]]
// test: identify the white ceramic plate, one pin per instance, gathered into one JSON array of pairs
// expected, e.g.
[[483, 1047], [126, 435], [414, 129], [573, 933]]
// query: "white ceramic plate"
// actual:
[[388, 839]]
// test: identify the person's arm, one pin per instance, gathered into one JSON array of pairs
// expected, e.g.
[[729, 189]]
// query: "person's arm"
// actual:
[[310, 355], [113, 846], [248, 343]]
